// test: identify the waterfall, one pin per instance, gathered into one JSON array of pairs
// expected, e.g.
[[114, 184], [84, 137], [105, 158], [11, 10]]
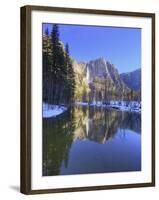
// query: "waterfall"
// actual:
[[87, 126], [87, 75]]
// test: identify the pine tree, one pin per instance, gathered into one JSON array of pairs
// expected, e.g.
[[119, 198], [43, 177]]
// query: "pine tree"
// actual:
[[58, 66], [47, 32], [70, 75], [58, 73], [54, 66], [46, 64]]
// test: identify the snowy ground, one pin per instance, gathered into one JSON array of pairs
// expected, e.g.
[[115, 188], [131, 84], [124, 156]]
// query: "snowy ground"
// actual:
[[52, 110], [132, 106]]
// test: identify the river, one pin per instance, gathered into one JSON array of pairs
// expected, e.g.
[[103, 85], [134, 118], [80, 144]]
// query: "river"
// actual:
[[86, 140]]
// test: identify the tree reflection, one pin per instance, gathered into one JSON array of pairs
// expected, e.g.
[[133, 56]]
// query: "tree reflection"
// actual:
[[100, 124], [57, 140], [81, 123]]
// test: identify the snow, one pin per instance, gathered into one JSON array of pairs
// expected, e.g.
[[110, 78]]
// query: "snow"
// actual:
[[132, 106], [80, 103], [52, 110]]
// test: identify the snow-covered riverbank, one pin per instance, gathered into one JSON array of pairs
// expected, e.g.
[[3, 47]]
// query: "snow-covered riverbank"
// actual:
[[52, 110], [132, 106]]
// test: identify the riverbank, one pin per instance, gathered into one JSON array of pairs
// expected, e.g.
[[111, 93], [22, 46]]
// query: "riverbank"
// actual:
[[52, 110], [132, 106], [55, 110]]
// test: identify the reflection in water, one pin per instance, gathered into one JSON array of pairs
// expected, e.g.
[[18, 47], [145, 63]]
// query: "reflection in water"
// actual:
[[91, 140]]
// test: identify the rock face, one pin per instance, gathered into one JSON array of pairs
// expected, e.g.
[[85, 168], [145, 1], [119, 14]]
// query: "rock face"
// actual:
[[99, 81], [100, 68], [79, 67], [96, 68], [132, 79]]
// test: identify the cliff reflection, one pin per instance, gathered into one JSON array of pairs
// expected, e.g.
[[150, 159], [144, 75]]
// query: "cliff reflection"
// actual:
[[81, 123], [100, 125]]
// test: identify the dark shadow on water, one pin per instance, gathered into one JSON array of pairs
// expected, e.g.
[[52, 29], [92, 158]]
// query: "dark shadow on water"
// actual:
[[15, 188]]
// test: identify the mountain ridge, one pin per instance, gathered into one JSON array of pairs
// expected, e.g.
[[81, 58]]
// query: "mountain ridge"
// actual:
[[132, 79], [102, 68]]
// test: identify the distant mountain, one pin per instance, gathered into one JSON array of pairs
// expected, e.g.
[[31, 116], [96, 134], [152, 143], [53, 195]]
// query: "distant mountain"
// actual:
[[132, 79], [101, 68], [99, 80]]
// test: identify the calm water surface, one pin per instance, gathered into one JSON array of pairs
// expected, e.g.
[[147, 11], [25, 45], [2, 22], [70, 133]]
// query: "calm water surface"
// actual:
[[91, 140]]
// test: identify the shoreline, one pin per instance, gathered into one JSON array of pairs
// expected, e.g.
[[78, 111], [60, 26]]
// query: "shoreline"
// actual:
[[50, 111], [132, 106]]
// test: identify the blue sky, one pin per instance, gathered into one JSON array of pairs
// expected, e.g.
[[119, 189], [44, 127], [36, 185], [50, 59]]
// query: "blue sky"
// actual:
[[121, 46]]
